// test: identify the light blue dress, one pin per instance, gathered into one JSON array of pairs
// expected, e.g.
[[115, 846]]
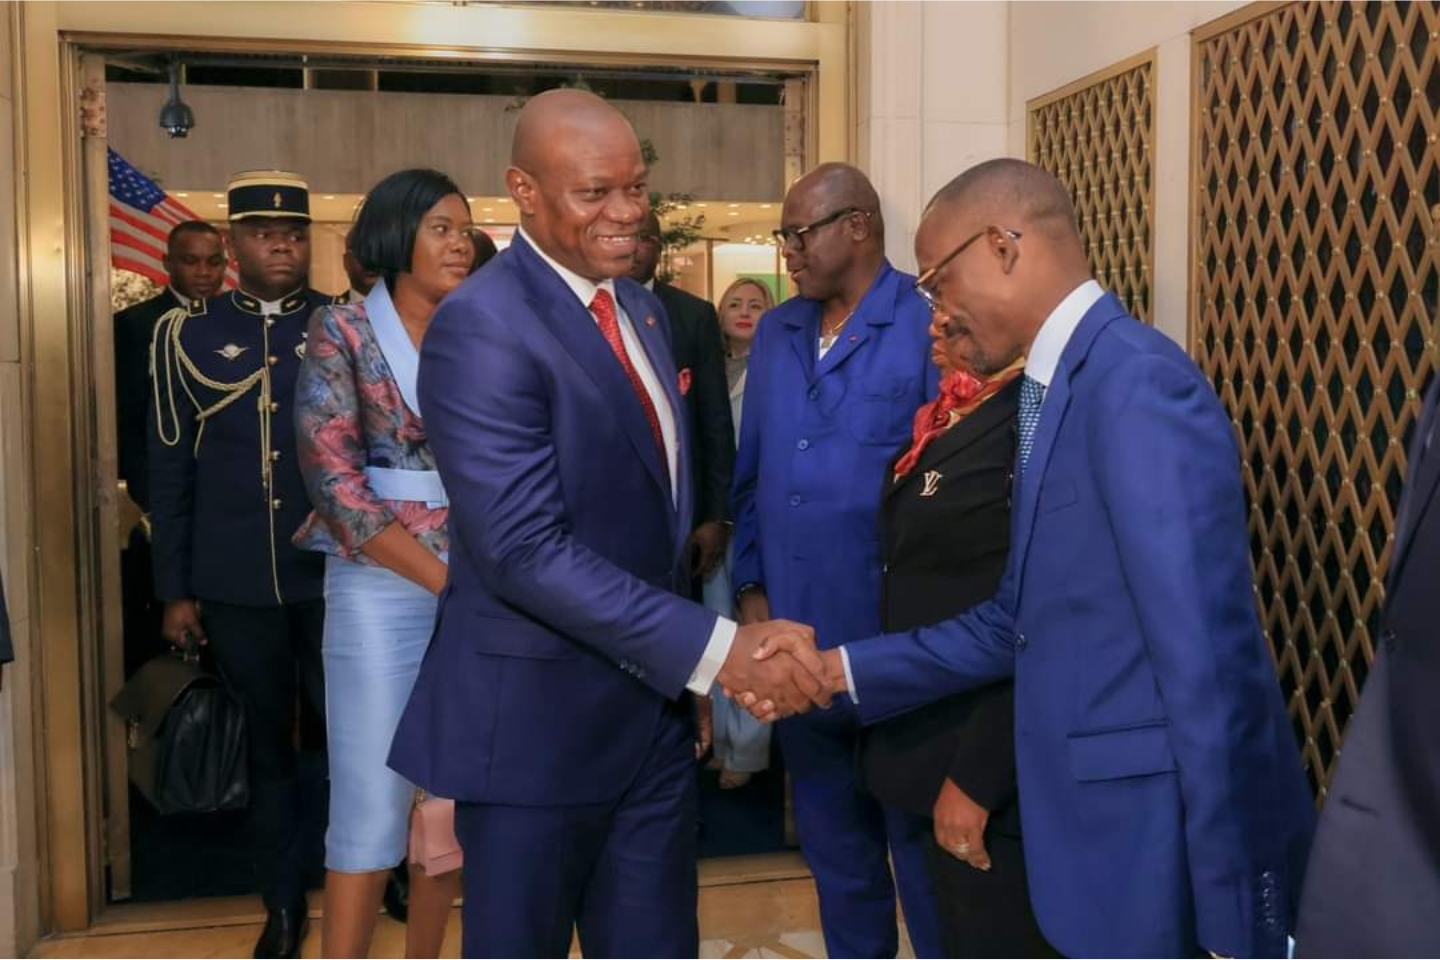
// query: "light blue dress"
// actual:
[[377, 623]]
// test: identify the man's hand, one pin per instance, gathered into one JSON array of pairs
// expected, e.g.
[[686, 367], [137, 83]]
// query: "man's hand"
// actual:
[[707, 547], [754, 607], [828, 662], [789, 683], [704, 725], [960, 826], [182, 618]]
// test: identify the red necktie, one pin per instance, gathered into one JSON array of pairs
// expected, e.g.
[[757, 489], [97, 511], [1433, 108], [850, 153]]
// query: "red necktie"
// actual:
[[603, 306]]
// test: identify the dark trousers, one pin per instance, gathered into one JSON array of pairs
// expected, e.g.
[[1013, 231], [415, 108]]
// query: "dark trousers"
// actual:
[[985, 914], [268, 657], [623, 872], [850, 841], [141, 613]]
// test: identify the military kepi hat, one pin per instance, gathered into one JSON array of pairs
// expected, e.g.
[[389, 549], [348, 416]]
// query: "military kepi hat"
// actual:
[[269, 193]]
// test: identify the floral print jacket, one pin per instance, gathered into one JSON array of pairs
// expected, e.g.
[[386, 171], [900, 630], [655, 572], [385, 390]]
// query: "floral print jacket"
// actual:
[[350, 415]]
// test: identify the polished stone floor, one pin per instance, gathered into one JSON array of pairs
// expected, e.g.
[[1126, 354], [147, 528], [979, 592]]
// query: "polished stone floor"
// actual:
[[760, 906]]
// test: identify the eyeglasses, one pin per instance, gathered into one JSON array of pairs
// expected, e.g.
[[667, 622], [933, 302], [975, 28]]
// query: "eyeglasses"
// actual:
[[787, 236], [922, 282]]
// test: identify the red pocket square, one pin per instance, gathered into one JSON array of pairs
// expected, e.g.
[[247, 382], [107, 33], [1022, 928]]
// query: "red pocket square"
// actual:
[[685, 382]]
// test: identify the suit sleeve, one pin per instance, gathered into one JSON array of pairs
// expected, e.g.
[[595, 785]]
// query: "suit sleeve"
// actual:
[[170, 430], [487, 414], [899, 672], [329, 437], [983, 764], [1168, 473], [716, 435], [747, 566]]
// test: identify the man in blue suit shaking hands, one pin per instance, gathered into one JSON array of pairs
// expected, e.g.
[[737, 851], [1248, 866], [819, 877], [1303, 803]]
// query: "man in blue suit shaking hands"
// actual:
[[554, 701], [1161, 794]]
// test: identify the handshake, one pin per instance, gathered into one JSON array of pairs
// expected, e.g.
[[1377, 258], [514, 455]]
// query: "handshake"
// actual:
[[775, 671]]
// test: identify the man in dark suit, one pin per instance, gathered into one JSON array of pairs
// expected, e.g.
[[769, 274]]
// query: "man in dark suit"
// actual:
[[1164, 806], [552, 703], [699, 352], [1373, 885], [195, 262]]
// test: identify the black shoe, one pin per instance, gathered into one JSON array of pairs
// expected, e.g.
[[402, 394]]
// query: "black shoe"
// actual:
[[284, 932], [397, 893]]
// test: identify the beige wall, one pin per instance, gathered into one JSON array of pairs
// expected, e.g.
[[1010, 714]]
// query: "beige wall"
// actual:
[[942, 86], [344, 141], [19, 854], [931, 101]]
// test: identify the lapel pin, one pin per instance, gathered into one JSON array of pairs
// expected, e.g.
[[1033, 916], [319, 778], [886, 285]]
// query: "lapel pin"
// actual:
[[231, 351], [932, 483], [853, 338], [650, 321]]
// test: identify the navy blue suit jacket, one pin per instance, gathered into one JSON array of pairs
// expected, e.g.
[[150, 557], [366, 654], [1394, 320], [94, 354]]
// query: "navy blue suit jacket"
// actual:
[[560, 635], [1373, 885], [1161, 793]]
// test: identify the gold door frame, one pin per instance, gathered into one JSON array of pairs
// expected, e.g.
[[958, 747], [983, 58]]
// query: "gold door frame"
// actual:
[[57, 318]]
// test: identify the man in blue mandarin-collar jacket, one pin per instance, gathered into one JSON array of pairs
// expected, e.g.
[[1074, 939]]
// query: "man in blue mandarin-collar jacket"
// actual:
[[1162, 799], [834, 381], [552, 704]]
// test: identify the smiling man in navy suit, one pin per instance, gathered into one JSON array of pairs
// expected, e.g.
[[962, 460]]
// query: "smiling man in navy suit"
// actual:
[[554, 703], [1161, 794]]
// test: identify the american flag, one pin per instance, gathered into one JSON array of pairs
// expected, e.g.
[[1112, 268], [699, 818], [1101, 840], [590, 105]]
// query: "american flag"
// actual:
[[141, 217]]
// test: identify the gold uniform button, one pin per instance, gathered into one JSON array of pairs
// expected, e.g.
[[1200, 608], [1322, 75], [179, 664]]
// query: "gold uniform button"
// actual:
[[276, 504], [274, 455], [274, 408], [272, 360], [269, 321]]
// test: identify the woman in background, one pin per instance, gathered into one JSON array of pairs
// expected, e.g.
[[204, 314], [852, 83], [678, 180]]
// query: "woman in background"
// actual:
[[742, 743], [380, 514]]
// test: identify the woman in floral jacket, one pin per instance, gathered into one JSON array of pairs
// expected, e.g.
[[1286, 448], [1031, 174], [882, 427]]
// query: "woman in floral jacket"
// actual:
[[380, 514]]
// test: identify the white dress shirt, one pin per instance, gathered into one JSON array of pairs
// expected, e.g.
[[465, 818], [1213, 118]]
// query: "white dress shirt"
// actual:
[[723, 636], [1040, 364]]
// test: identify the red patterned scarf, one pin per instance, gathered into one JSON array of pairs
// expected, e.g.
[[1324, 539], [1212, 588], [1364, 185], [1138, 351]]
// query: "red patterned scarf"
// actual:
[[961, 393]]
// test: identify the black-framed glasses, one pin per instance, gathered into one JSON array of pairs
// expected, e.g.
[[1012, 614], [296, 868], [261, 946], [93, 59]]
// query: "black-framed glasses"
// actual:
[[786, 236], [923, 282]]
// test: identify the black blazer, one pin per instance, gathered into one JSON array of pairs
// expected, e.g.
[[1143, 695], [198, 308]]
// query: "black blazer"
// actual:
[[1372, 887], [134, 328], [944, 538], [699, 349]]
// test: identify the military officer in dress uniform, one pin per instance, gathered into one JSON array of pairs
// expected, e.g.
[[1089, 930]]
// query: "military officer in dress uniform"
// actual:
[[226, 495]]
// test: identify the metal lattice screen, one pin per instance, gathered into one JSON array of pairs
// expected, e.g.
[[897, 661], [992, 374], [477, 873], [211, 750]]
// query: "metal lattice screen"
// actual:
[[1097, 136], [1314, 285]]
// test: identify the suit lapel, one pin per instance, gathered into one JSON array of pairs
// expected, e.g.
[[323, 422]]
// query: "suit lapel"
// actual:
[[658, 352], [956, 440], [1052, 419], [556, 305]]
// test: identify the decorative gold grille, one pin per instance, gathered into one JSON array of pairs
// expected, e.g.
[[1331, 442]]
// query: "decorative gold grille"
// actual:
[[1097, 136], [1313, 287]]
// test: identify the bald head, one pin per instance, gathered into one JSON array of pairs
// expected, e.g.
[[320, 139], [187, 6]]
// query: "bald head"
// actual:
[[554, 121], [837, 186], [579, 181], [1011, 192]]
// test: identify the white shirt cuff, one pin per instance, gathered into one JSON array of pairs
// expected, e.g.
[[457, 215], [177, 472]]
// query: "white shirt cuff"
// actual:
[[849, 677], [721, 639]]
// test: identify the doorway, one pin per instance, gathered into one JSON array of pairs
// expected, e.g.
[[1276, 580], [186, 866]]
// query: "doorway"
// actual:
[[148, 858]]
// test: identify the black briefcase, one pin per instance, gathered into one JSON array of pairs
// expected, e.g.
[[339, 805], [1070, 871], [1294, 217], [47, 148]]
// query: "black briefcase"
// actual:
[[186, 736]]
